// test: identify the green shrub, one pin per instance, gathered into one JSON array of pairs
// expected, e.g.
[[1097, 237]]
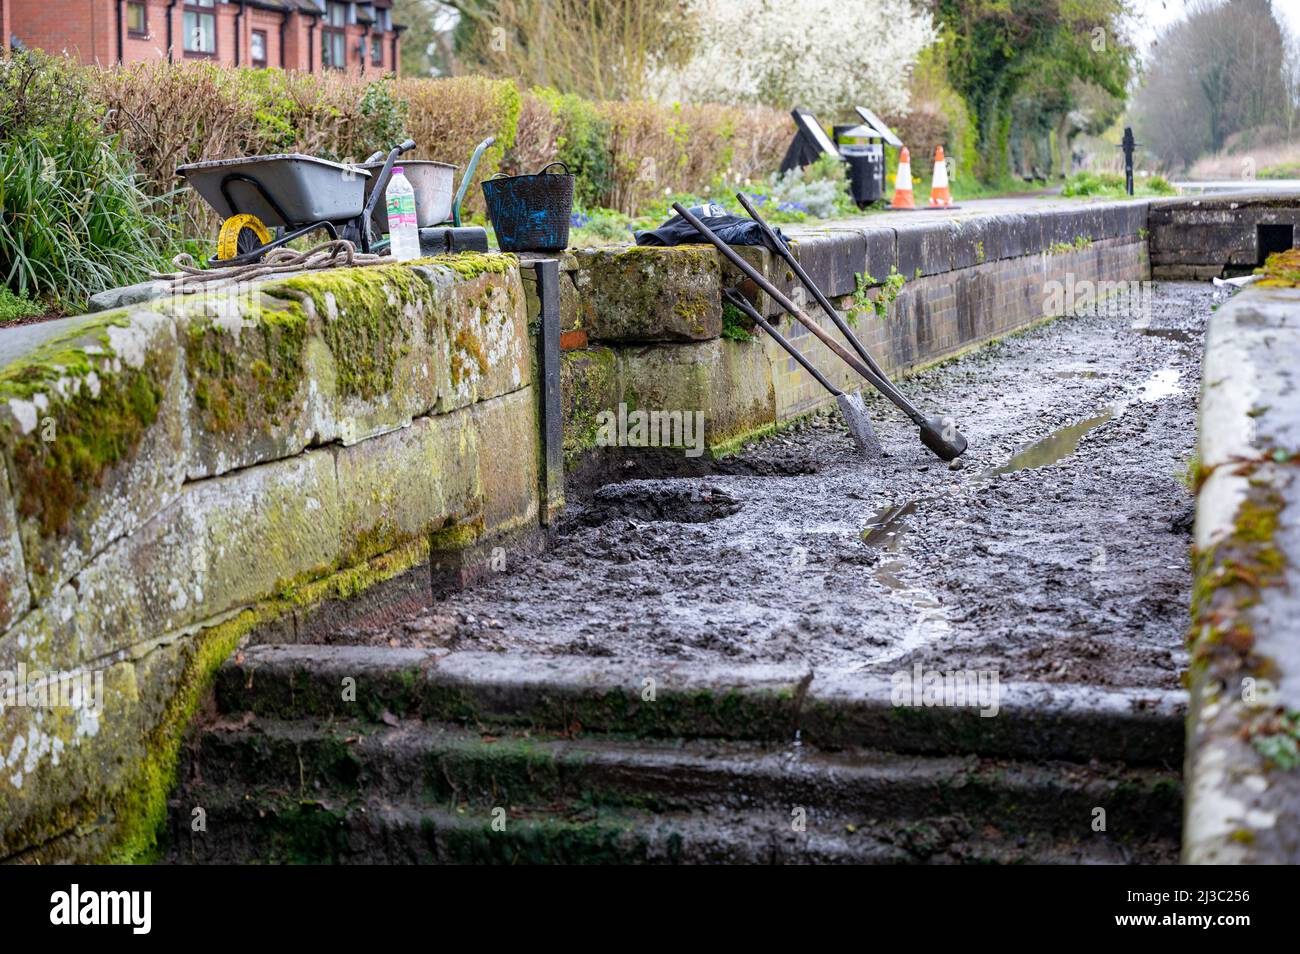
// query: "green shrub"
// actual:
[[1159, 185], [14, 307], [73, 220], [1111, 184], [449, 117], [736, 325], [1285, 170], [582, 145], [602, 226], [1093, 183]]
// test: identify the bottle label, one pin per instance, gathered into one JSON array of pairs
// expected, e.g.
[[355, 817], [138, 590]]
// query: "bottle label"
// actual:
[[401, 210]]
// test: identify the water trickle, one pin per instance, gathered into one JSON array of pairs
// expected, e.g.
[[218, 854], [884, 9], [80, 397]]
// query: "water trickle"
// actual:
[[884, 531], [1173, 334], [1162, 384]]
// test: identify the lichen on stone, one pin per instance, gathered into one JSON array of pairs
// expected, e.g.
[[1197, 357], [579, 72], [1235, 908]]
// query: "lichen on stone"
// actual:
[[365, 317], [247, 375], [79, 409]]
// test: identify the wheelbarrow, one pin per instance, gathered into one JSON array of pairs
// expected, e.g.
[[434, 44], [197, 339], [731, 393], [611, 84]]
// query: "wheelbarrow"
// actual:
[[437, 214], [292, 193]]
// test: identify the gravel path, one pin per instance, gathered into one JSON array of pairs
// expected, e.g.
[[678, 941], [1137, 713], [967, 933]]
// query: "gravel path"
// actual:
[[1058, 551]]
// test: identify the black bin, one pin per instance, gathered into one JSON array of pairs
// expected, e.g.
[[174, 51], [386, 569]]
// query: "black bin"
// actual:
[[862, 150]]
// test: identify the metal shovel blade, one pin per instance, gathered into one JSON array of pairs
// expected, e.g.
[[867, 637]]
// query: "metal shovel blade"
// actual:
[[855, 416], [940, 434]]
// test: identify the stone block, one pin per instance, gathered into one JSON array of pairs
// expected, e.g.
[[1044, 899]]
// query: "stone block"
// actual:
[[649, 293], [93, 437], [406, 484]]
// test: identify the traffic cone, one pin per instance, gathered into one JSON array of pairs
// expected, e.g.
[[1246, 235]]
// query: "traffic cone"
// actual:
[[903, 183], [940, 197]]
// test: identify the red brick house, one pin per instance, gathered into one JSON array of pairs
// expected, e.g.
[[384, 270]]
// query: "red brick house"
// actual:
[[312, 35]]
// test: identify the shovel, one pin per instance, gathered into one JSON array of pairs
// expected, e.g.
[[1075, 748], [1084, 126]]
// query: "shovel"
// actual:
[[851, 407], [939, 434]]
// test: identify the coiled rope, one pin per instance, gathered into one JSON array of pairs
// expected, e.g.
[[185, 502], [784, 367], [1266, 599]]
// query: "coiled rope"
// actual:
[[336, 253]]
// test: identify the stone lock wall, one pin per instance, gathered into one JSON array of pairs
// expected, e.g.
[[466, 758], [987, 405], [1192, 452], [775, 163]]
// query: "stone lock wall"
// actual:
[[180, 474], [1208, 237], [1243, 726], [643, 326]]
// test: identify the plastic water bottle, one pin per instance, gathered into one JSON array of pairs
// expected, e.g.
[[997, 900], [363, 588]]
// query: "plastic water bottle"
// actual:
[[403, 229]]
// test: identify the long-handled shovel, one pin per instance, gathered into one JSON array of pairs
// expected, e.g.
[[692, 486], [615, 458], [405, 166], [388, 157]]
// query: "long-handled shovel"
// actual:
[[940, 434], [850, 405]]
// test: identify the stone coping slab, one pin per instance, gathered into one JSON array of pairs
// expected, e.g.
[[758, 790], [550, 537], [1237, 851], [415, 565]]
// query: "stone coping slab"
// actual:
[[1243, 772]]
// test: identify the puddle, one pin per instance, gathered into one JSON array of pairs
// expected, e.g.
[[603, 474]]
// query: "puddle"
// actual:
[[1173, 334], [887, 526], [1162, 384], [1078, 374], [884, 531], [1055, 446]]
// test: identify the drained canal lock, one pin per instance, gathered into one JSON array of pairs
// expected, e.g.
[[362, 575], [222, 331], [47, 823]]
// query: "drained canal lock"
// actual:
[[933, 662]]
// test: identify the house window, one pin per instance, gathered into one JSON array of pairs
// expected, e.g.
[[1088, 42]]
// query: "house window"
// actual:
[[257, 48], [377, 50], [137, 19], [334, 49], [383, 20], [336, 14], [200, 27]]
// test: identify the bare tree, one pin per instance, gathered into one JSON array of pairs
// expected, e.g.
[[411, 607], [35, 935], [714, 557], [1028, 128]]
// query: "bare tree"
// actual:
[[605, 50], [1217, 78]]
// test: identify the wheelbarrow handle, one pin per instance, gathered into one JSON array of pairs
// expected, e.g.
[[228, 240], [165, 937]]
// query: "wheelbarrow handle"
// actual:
[[469, 174], [377, 193]]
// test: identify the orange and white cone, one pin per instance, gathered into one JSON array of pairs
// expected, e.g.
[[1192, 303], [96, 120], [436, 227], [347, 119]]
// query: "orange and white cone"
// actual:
[[903, 183], [940, 197]]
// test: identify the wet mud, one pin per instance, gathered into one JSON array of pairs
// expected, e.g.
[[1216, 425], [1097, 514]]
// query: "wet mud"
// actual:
[[1056, 549]]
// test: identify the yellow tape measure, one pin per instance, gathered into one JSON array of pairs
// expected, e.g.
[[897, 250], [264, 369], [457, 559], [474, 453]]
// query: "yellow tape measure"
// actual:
[[233, 227]]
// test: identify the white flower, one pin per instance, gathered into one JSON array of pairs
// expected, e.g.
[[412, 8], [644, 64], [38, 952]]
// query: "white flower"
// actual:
[[823, 55]]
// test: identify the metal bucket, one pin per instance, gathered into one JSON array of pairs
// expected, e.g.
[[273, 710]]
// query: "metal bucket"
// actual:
[[432, 182], [305, 188]]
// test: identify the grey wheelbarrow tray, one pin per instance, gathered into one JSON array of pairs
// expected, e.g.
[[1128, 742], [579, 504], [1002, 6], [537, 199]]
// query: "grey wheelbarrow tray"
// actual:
[[295, 194], [432, 182], [288, 190]]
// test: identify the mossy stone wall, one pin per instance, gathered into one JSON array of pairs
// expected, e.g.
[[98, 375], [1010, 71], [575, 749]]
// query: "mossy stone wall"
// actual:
[[189, 472]]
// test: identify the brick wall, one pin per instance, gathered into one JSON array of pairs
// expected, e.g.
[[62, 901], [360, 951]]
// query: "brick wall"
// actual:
[[153, 44], [82, 28], [87, 29]]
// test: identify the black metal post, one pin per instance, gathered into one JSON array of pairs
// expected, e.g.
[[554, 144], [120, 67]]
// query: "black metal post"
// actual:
[[547, 271], [1128, 145]]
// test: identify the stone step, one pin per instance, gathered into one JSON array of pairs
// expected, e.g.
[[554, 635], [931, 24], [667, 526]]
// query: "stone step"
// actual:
[[773, 704], [241, 828], [437, 764]]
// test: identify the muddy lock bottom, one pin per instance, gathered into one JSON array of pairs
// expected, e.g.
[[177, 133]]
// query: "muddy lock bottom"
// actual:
[[1057, 552]]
